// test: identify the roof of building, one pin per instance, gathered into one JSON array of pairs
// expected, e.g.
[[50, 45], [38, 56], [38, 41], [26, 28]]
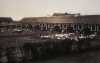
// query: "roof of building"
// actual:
[[6, 19]]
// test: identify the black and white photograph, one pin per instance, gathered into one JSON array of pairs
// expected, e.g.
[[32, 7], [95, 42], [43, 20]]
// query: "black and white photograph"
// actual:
[[49, 31]]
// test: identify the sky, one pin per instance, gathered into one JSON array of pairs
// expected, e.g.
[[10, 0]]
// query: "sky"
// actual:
[[35, 8]]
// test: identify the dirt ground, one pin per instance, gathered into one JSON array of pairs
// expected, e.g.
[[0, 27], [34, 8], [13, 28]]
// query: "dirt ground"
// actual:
[[92, 56]]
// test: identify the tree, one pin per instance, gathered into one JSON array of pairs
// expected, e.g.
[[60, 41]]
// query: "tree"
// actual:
[[86, 31]]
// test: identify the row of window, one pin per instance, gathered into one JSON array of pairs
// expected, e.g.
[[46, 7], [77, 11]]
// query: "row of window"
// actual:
[[46, 27]]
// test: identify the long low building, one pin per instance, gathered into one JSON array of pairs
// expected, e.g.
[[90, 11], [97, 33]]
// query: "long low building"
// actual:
[[63, 21]]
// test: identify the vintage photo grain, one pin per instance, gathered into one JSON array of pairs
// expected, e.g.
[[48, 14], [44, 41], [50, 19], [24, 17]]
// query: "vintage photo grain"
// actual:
[[49, 31]]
